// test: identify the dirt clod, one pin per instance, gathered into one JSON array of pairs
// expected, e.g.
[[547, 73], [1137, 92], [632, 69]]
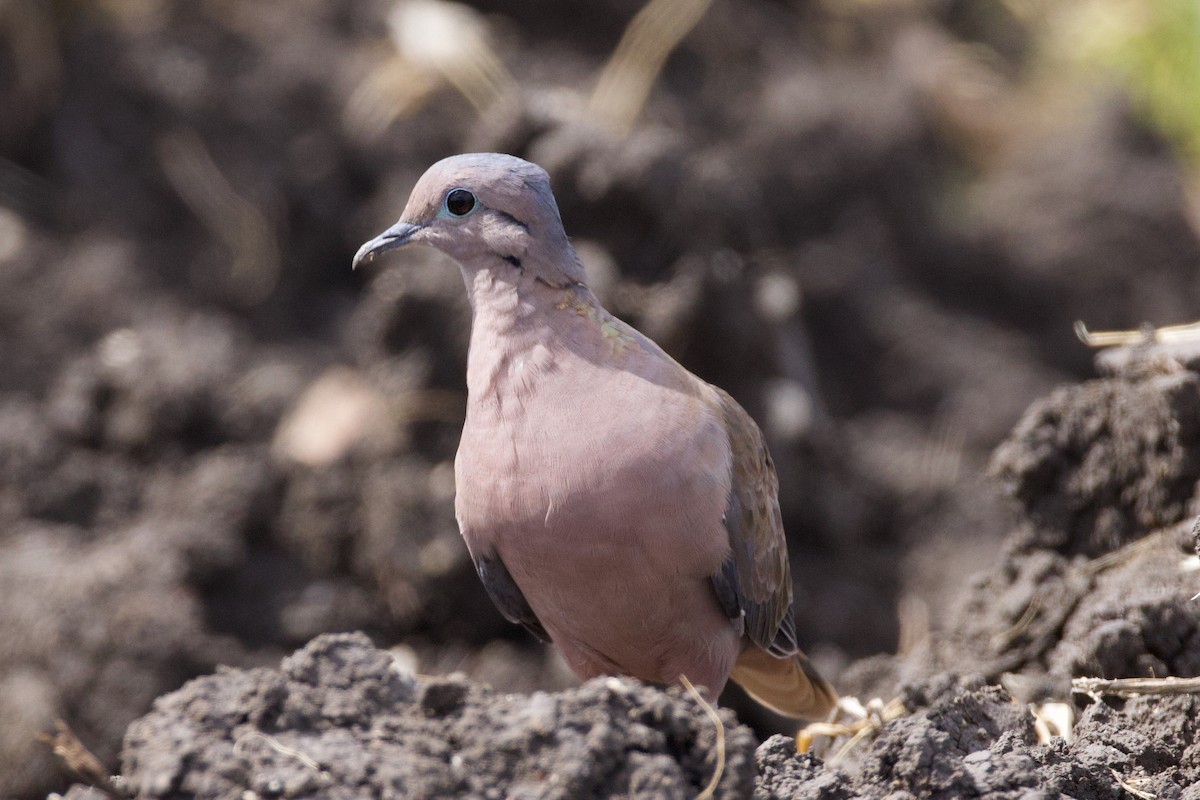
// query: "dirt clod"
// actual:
[[967, 739], [338, 719]]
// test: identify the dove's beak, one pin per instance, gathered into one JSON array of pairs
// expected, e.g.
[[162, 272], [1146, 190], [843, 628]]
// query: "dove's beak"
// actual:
[[396, 236]]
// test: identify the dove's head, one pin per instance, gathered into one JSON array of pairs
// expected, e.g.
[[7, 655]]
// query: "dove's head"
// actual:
[[487, 211]]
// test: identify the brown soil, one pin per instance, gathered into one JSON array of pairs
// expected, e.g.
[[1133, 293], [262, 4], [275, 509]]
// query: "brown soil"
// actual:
[[885, 279]]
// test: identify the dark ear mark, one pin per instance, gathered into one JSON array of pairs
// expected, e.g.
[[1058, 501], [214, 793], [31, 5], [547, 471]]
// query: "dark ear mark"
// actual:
[[511, 219], [516, 262]]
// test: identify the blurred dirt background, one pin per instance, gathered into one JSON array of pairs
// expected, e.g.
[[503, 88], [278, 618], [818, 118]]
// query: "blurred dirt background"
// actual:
[[874, 223]]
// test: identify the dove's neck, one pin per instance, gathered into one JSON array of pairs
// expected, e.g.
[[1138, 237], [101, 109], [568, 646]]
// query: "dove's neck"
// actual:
[[520, 327]]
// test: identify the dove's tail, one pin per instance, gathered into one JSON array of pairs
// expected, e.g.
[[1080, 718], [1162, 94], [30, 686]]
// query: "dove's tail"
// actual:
[[789, 685]]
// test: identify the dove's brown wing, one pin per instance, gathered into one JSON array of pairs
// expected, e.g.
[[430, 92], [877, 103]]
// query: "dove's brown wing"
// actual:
[[756, 580]]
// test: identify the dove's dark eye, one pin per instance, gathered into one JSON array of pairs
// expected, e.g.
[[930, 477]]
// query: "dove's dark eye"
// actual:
[[459, 202]]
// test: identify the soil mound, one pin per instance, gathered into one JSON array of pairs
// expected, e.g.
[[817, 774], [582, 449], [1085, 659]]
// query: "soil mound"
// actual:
[[966, 739], [338, 719]]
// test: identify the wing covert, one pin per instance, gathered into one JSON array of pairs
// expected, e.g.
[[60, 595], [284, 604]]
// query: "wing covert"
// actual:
[[759, 576]]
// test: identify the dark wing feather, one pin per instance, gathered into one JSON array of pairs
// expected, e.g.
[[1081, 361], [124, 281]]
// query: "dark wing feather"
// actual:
[[757, 572], [506, 595]]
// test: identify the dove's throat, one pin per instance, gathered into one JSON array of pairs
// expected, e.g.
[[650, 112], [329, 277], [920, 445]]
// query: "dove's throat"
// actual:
[[520, 330]]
